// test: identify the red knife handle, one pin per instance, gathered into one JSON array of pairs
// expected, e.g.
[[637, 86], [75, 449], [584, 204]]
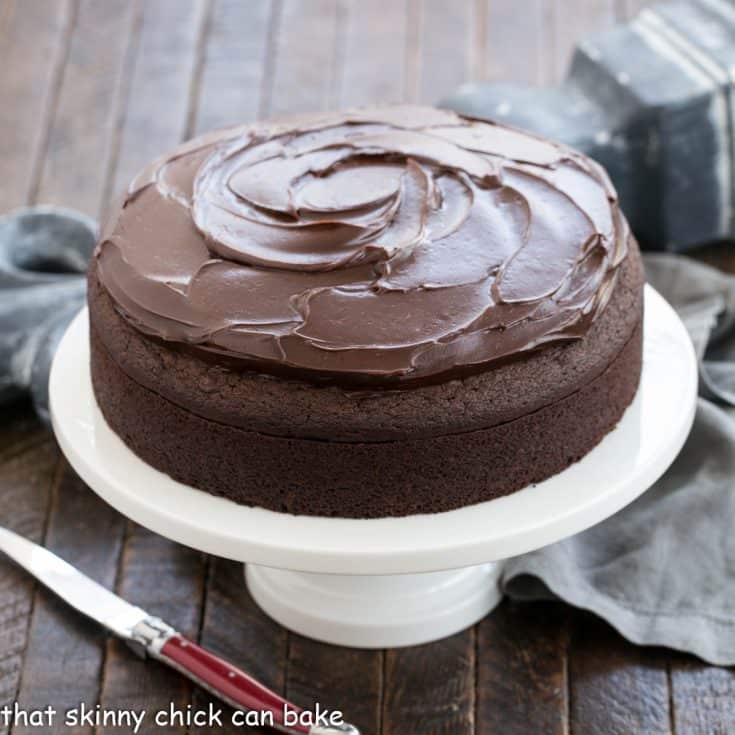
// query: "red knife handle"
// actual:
[[225, 681]]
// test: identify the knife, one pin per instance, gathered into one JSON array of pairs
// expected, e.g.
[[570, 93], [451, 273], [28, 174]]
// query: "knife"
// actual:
[[150, 636]]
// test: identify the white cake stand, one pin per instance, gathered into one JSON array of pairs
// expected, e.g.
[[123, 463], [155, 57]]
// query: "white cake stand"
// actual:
[[384, 582]]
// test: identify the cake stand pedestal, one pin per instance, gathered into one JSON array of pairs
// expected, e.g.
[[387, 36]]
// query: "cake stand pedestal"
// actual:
[[387, 581]]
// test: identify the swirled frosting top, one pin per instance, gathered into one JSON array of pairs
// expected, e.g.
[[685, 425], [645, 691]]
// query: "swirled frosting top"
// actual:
[[381, 244]]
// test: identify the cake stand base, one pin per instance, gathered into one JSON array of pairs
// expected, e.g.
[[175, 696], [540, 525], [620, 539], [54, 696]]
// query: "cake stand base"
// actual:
[[383, 581], [376, 611]]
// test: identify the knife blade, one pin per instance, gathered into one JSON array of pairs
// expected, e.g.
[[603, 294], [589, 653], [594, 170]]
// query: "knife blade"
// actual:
[[149, 635]]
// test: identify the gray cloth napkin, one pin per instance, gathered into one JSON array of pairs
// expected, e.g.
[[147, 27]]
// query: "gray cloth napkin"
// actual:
[[43, 257], [662, 570]]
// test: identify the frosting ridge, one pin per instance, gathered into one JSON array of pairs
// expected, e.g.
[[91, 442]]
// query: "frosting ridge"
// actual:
[[374, 245]]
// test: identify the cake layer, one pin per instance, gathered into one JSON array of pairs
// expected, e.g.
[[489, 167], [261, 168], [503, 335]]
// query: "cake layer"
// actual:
[[283, 407], [358, 479], [371, 247]]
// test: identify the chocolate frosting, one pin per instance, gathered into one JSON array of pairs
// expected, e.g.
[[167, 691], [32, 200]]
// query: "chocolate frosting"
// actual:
[[374, 245]]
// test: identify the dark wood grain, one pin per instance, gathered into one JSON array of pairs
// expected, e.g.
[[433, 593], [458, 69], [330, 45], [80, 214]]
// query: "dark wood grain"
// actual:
[[233, 626], [430, 689], [51, 626], [20, 429], [87, 126], [88, 533], [522, 670], [157, 108], [347, 679], [33, 39], [26, 481], [85, 122], [166, 580], [616, 688]]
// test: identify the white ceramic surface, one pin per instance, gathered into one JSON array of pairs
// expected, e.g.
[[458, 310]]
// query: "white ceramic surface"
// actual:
[[376, 611], [625, 464]]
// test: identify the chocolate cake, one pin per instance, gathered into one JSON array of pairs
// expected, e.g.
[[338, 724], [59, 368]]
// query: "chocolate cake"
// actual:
[[377, 312]]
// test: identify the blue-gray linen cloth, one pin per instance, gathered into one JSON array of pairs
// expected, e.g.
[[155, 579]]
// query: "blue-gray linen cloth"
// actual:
[[662, 570]]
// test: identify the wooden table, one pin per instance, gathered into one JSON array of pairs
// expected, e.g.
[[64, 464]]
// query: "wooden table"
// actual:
[[90, 91]]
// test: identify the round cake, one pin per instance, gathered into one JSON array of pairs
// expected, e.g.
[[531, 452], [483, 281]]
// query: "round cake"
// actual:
[[377, 312]]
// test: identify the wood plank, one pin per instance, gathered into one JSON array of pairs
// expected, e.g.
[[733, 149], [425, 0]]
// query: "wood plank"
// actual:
[[337, 678], [77, 136], [26, 481], [515, 51], [83, 131], [166, 580], [702, 697], [372, 59], [33, 39], [235, 66], [446, 48], [233, 626], [521, 670], [616, 688], [570, 26], [304, 74], [155, 117], [86, 532], [20, 429], [99, 57], [430, 689]]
